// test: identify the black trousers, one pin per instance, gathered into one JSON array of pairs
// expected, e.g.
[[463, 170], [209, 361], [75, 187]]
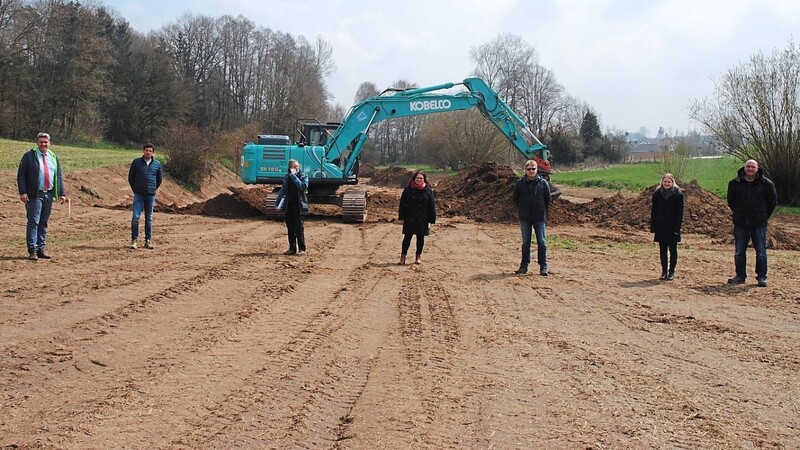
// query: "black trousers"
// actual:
[[673, 253], [407, 243], [294, 227]]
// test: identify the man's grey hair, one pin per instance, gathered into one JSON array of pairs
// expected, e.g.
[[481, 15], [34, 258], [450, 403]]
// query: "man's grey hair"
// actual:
[[42, 135]]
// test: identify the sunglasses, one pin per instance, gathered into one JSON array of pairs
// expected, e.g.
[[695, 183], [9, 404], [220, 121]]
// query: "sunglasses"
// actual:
[[530, 169]]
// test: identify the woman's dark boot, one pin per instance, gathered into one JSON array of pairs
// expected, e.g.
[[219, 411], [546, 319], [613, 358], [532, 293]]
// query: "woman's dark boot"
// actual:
[[418, 260], [663, 274], [402, 260]]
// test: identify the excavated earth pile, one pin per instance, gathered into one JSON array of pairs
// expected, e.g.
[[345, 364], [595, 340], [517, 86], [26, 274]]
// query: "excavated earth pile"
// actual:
[[391, 177], [481, 193]]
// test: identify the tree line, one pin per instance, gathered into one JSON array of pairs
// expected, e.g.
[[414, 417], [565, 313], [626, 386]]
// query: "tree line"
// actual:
[[83, 74]]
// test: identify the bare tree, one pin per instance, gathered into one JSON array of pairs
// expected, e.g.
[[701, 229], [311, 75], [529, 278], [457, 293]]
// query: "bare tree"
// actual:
[[755, 113], [503, 63], [459, 138], [545, 100], [366, 90]]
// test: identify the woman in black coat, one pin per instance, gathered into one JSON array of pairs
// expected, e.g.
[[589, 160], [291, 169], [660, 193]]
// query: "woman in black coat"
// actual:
[[417, 211], [666, 218]]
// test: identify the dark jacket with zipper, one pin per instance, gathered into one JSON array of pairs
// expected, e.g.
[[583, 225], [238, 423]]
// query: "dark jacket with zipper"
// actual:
[[144, 178], [532, 198], [752, 203]]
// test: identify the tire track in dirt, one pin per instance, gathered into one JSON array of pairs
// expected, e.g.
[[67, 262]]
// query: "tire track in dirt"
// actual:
[[96, 334], [703, 421], [302, 391]]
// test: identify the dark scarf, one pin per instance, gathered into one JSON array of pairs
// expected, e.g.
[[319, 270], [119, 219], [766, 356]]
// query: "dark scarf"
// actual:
[[667, 193]]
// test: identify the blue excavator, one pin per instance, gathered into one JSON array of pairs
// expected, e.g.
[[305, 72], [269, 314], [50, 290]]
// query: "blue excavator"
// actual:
[[329, 152]]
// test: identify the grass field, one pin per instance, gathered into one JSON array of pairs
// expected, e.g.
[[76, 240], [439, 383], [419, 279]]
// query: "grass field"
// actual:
[[71, 157], [711, 174]]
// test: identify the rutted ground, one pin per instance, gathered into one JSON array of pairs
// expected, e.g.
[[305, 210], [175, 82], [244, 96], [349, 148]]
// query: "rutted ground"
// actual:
[[216, 340]]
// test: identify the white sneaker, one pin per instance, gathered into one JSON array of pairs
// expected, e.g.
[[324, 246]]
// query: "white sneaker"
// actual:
[[148, 244], [133, 244]]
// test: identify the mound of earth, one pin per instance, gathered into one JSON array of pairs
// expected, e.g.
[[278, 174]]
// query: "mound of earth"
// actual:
[[391, 177], [366, 170], [481, 193], [704, 212]]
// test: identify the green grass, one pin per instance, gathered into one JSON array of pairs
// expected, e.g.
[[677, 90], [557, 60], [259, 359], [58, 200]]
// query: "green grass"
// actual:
[[71, 157], [711, 174], [429, 170]]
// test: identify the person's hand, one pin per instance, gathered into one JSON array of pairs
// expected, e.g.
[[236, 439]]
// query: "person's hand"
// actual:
[[62, 199], [23, 198], [293, 171]]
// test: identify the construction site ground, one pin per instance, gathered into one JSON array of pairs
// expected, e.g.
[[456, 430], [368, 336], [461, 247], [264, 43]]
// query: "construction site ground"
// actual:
[[215, 339]]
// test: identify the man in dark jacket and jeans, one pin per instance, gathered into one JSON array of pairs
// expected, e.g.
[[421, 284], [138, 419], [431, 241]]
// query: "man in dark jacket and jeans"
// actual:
[[144, 177], [39, 181], [532, 197], [752, 198]]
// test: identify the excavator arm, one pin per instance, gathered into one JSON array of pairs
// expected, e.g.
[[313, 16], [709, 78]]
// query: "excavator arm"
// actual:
[[349, 138]]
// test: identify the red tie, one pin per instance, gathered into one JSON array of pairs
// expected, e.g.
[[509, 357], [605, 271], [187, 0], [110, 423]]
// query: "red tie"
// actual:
[[46, 172]]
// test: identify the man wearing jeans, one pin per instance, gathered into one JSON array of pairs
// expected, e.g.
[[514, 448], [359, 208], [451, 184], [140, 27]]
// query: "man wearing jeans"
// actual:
[[144, 178], [752, 198], [39, 182], [532, 197]]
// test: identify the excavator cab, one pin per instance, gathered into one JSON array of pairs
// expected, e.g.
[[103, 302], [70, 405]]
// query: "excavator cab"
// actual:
[[314, 132]]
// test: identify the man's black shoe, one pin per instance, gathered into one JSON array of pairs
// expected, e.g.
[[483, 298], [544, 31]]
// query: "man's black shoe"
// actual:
[[543, 272], [735, 280], [521, 271], [762, 283]]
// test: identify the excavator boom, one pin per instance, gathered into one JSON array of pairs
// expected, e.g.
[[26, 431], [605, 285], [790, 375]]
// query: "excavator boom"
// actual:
[[329, 153]]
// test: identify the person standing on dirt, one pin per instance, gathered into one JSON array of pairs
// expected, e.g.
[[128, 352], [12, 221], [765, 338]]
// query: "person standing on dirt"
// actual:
[[532, 198], [39, 181], [666, 218], [292, 200], [752, 198], [144, 177], [417, 211]]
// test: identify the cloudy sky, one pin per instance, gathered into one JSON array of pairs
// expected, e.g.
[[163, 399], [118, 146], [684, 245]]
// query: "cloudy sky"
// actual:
[[637, 63]]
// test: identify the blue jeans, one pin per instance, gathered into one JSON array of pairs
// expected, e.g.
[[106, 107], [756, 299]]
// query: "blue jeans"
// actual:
[[38, 212], [743, 235], [141, 203], [528, 228]]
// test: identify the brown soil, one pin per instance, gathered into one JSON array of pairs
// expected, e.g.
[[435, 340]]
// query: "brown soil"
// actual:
[[216, 340]]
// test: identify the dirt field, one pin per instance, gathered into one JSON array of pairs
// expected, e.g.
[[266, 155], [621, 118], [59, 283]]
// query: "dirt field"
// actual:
[[216, 340]]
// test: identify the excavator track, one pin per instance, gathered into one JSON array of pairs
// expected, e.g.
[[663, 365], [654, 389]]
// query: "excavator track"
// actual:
[[354, 205], [269, 210]]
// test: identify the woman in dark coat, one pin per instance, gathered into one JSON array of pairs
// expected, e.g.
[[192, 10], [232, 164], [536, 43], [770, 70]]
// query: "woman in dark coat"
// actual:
[[666, 218], [417, 211]]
